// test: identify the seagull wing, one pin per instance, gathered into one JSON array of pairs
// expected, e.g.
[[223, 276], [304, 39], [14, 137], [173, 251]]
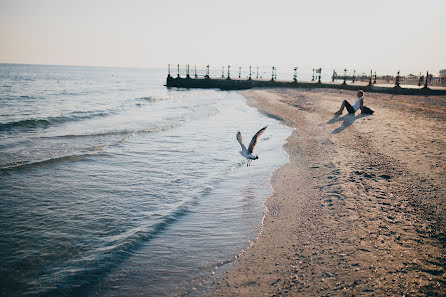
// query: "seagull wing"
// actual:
[[240, 140], [254, 140]]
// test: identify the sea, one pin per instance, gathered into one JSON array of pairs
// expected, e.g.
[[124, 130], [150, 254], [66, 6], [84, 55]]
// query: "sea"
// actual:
[[112, 184]]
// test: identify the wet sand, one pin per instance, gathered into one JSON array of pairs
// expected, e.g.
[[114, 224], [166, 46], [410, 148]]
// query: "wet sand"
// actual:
[[359, 209]]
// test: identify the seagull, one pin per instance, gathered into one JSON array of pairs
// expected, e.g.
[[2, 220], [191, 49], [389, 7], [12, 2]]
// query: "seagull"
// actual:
[[247, 153]]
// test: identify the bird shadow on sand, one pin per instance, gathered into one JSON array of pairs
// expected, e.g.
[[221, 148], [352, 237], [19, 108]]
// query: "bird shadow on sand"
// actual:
[[346, 120]]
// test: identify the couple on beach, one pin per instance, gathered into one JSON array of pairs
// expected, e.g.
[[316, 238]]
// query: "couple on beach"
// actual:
[[359, 104]]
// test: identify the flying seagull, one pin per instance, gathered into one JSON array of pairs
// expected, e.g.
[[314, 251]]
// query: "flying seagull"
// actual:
[[247, 153]]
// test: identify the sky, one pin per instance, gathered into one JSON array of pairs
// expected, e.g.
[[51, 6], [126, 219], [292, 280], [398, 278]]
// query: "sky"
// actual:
[[384, 35]]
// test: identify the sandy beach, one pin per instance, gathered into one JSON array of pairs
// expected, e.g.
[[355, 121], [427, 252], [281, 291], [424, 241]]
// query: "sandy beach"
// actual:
[[360, 207]]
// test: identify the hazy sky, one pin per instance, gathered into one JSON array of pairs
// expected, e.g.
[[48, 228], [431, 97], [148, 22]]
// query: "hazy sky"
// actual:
[[385, 35]]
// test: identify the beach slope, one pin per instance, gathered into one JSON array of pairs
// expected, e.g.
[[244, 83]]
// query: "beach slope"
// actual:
[[360, 207]]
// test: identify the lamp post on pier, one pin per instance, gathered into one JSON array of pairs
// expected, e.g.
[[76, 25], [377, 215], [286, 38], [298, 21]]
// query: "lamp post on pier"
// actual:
[[397, 80], [222, 71], [239, 71], [312, 79], [168, 70], [257, 76], [370, 79], [333, 76], [354, 76], [272, 75], [345, 77], [178, 70], [187, 71], [195, 71], [374, 80], [249, 72], [425, 82], [229, 67], [207, 72]]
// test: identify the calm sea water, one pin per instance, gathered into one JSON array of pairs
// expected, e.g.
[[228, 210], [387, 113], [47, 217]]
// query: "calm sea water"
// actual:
[[113, 185]]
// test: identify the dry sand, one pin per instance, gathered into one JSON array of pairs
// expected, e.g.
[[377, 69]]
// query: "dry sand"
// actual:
[[360, 208]]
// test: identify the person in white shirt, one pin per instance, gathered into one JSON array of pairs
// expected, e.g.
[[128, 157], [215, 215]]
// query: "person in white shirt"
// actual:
[[359, 104]]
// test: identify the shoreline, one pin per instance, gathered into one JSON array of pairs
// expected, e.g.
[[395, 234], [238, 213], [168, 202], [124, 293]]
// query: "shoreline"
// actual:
[[372, 224]]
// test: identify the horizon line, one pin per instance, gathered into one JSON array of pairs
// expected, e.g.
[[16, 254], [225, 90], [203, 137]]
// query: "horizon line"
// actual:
[[202, 65]]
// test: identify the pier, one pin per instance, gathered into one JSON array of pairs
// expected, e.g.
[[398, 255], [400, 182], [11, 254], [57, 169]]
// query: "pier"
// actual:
[[353, 82]]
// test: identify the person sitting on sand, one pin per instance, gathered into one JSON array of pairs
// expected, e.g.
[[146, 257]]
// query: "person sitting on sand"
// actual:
[[359, 104]]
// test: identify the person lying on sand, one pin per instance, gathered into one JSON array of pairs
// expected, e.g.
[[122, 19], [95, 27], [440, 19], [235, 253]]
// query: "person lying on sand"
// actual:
[[359, 104]]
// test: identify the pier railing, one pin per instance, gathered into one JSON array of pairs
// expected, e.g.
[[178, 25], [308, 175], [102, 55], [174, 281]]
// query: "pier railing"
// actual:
[[418, 80]]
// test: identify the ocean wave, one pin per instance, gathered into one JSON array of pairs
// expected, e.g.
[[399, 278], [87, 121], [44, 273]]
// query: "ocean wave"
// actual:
[[153, 99], [124, 132], [93, 151], [90, 268], [116, 138], [43, 123], [46, 122], [22, 164], [180, 95], [140, 235]]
